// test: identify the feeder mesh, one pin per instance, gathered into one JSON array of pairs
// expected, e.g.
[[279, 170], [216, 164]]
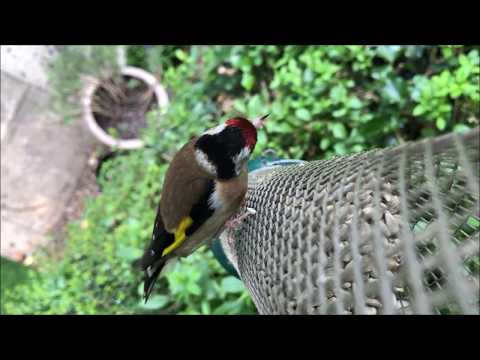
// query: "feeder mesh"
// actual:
[[392, 231]]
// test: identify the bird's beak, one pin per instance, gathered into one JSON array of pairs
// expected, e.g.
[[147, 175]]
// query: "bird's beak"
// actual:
[[259, 122]]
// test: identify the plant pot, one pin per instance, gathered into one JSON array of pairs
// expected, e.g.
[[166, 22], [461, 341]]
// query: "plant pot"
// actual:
[[93, 84]]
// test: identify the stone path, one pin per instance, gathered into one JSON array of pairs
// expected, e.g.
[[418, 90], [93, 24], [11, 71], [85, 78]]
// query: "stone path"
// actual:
[[41, 157]]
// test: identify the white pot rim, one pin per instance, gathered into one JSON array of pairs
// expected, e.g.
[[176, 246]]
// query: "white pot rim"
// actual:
[[89, 90]]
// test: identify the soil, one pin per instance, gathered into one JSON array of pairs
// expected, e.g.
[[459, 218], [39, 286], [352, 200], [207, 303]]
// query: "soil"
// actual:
[[87, 187], [122, 104]]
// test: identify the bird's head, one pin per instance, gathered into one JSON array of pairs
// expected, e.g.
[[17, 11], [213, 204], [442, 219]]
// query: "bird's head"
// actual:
[[223, 150]]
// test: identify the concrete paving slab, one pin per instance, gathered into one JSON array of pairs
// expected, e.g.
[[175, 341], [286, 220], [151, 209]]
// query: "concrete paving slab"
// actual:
[[28, 63], [19, 242], [12, 92], [42, 159]]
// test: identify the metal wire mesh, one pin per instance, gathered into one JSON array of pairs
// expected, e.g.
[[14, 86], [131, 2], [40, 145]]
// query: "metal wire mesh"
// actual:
[[393, 231]]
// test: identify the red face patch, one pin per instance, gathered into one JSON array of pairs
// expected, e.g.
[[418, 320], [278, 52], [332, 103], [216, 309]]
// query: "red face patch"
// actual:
[[249, 131]]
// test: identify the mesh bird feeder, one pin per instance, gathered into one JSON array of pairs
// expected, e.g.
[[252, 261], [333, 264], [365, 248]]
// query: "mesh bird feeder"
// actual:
[[392, 231]]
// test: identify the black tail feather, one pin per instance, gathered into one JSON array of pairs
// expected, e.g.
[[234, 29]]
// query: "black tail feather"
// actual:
[[150, 280], [153, 261]]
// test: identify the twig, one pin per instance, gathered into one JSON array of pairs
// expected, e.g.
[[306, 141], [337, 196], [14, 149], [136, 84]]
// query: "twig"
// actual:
[[100, 110], [147, 98], [113, 91], [117, 81], [104, 98]]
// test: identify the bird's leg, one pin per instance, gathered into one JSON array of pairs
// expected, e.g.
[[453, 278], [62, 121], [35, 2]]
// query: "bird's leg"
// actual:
[[236, 221]]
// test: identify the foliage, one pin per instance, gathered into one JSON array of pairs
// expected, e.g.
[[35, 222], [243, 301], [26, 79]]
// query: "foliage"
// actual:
[[11, 274], [155, 58], [97, 275], [136, 55], [330, 100], [324, 100], [69, 67]]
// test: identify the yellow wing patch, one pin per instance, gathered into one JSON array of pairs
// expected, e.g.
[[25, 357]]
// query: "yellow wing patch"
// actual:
[[179, 235]]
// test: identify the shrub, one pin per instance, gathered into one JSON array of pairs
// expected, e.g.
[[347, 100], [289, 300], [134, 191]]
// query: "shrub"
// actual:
[[328, 100]]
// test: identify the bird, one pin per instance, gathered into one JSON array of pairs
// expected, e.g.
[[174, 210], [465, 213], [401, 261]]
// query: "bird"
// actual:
[[204, 187]]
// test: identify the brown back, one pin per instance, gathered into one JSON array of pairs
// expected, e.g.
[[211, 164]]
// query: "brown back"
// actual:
[[185, 183]]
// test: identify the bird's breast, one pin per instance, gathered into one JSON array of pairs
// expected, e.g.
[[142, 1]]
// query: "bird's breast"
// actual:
[[225, 201]]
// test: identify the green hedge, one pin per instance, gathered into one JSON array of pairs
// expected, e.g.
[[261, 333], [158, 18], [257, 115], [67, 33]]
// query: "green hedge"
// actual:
[[324, 100], [328, 100]]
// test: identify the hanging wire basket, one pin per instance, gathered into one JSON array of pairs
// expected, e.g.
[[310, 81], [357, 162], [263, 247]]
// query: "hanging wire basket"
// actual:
[[391, 231]]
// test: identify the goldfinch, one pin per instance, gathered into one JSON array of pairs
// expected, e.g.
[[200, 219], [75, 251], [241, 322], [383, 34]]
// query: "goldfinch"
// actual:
[[204, 187]]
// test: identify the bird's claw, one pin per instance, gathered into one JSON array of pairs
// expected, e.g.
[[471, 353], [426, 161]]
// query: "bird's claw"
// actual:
[[236, 222], [232, 224]]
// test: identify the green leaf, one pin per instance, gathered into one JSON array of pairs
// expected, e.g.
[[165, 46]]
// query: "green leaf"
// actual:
[[231, 284], [194, 289], [354, 103], [339, 131], [154, 302], [278, 109], [181, 55], [389, 52], [227, 308], [262, 139], [279, 127], [255, 106], [447, 52], [308, 75], [325, 143], [441, 123], [303, 114], [239, 105], [418, 110], [474, 57], [414, 51], [248, 80], [391, 92], [338, 93], [205, 307], [340, 149], [463, 60], [358, 148], [339, 113]]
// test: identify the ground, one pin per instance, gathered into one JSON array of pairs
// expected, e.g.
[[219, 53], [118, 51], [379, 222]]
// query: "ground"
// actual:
[[43, 160]]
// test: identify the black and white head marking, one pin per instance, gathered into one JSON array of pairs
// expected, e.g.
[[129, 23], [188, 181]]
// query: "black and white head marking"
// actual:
[[221, 151], [205, 163], [240, 158], [216, 130]]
